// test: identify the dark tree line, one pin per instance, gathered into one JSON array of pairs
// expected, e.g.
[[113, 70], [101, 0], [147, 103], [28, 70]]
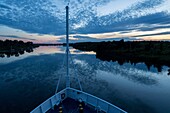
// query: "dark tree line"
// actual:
[[155, 53], [15, 44], [15, 47]]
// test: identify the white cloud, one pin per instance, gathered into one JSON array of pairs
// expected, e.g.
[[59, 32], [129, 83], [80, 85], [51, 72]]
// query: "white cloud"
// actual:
[[86, 16], [114, 6]]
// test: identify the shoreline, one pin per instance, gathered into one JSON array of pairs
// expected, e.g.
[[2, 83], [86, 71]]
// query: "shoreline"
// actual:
[[151, 53]]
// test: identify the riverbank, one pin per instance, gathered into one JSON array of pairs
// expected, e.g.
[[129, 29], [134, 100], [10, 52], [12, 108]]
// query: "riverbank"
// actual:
[[9, 48], [156, 53]]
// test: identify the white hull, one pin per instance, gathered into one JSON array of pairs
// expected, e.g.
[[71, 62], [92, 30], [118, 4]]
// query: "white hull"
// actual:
[[77, 95]]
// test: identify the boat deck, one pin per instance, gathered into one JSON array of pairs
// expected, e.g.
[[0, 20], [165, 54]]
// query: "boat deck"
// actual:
[[71, 106]]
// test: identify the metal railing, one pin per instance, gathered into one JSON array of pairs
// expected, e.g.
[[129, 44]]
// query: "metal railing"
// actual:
[[97, 103], [49, 103], [88, 99]]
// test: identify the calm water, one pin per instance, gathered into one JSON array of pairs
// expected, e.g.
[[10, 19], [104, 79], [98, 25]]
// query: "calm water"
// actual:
[[28, 80]]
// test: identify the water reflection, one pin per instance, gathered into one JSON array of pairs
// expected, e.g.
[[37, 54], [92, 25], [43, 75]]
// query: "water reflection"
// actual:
[[15, 53], [33, 79], [132, 60], [36, 51]]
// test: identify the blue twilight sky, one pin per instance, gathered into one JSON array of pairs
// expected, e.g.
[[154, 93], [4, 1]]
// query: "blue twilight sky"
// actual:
[[90, 20]]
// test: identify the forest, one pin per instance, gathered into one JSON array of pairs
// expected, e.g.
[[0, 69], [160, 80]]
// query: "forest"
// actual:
[[156, 53], [15, 47]]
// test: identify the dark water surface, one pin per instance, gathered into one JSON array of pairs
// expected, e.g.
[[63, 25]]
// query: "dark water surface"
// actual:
[[28, 80]]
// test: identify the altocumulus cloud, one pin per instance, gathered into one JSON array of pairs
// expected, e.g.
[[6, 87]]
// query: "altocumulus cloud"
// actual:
[[48, 17]]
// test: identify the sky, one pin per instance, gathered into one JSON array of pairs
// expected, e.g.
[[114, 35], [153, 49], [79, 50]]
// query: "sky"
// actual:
[[43, 21]]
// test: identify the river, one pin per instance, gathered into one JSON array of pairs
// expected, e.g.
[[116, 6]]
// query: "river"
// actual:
[[28, 80]]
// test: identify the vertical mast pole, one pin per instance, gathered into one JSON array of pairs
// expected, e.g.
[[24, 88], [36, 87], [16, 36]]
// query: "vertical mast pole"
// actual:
[[67, 48]]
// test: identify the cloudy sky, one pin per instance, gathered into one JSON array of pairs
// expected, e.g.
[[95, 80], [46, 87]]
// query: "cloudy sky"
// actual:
[[43, 21]]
